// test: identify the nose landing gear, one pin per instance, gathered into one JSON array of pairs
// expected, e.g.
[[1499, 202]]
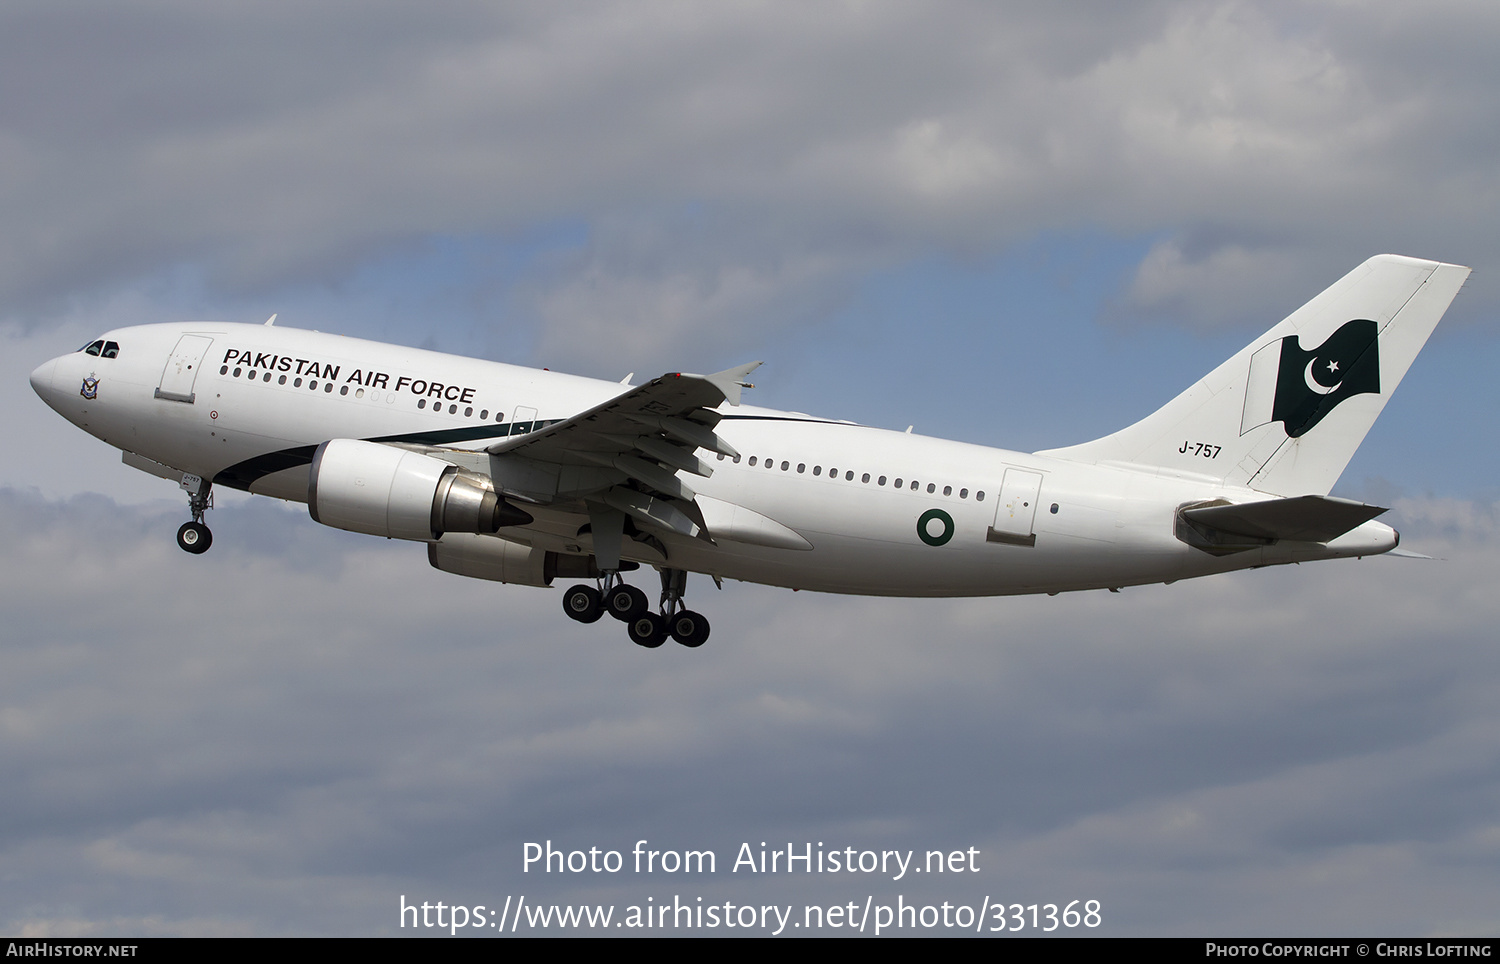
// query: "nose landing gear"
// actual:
[[194, 536]]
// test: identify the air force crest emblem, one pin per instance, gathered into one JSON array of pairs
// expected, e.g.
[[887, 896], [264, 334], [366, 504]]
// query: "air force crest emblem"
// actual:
[[90, 389], [1298, 387]]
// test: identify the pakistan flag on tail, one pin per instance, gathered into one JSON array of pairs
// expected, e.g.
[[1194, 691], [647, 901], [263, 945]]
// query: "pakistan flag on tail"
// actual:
[[1297, 388], [1285, 414]]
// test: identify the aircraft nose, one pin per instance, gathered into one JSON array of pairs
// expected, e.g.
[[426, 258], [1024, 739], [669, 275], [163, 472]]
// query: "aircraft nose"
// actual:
[[41, 379]]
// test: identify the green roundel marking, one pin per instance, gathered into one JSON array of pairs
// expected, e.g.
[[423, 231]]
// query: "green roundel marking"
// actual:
[[926, 520]]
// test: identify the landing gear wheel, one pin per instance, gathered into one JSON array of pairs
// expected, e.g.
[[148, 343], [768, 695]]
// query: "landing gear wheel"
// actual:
[[689, 628], [648, 630], [194, 537], [582, 603], [626, 603]]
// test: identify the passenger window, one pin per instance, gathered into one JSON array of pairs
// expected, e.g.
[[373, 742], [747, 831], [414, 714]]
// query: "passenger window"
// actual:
[[752, 460], [898, 483], [865, 477], [801, 467], [979, 496], [343, 389], [931, 488], [849, 476], [947, 490], [785, 466]]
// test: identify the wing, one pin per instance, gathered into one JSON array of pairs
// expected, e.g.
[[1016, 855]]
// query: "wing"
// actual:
[[643, 436]]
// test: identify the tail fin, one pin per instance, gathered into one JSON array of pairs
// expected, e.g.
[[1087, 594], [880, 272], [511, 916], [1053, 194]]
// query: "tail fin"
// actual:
[[1286, 413]]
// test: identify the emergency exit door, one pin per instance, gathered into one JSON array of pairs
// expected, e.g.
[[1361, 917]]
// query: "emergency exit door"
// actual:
[[182, 368], [1015, 510]]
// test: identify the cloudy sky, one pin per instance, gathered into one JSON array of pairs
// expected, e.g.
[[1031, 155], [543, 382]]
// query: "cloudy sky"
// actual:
[[1016, 225]]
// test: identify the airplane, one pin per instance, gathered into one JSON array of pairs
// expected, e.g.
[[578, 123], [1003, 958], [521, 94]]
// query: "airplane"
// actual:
[[526, 477]]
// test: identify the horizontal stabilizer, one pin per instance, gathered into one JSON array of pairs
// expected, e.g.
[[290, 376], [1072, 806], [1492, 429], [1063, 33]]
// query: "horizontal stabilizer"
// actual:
[[1307, 518]]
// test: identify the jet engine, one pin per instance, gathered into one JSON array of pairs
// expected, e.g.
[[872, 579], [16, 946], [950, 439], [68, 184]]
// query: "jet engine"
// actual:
[[386, 491], [488, 557]]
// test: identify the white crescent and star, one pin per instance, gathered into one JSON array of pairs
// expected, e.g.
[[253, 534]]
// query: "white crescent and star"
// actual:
[[1312, 383]]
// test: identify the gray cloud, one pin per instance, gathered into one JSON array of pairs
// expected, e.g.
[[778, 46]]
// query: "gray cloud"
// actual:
[[273, 144], [285, 735]]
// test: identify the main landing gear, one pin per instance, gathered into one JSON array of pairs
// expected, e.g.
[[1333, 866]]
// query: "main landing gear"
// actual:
[[194, 536], [629, 605]]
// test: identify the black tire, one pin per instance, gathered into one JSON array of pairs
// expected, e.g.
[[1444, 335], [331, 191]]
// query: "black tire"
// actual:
[[194, 537], [626, 603], [689, 628], [582, 603], [648, 630]]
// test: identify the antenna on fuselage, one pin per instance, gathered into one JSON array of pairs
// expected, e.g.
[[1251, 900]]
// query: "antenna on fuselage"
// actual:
[[270, 321]]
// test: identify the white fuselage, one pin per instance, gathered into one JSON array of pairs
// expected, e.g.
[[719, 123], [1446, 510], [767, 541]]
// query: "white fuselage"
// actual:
[[1094, 526]]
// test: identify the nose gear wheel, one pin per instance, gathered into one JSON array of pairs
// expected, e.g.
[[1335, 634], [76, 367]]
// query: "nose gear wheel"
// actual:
[[194, 537]]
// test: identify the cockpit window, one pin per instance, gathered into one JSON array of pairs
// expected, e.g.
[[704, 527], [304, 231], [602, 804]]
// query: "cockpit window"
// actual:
[[102, 348]]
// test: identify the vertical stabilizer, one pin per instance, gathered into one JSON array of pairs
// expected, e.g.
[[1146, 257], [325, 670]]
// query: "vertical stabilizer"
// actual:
[[1286, 413]]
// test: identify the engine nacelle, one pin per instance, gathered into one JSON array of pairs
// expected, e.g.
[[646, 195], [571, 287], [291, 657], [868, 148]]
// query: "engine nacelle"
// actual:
[[500, 560], [385, 491]]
